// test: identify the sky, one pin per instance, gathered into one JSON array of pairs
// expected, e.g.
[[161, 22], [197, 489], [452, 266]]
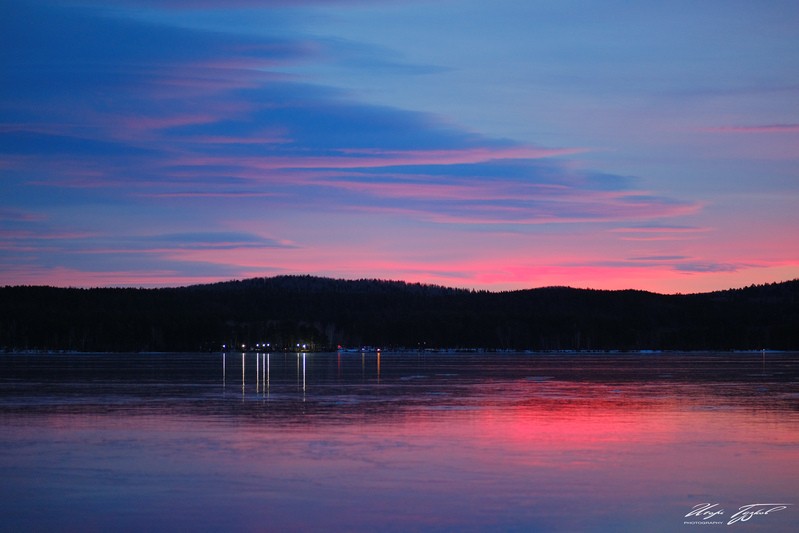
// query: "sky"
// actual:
[[495, 145]]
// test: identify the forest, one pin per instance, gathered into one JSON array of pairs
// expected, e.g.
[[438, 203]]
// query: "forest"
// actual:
[[287, 312]]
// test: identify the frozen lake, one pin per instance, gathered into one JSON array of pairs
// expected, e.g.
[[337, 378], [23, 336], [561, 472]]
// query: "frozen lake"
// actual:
[[399, 442]]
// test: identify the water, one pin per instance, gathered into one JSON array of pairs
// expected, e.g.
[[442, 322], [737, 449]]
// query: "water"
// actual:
[[398, 442]]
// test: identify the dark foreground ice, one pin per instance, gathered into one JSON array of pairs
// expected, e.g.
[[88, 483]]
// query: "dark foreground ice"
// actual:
[[399, 442]]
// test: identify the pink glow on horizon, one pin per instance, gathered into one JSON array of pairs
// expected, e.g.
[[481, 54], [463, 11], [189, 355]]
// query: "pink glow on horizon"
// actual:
[[498, 273], [662, 280]]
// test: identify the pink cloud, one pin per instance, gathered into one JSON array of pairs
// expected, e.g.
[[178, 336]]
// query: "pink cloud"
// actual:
[[354, 159], [453, 157]]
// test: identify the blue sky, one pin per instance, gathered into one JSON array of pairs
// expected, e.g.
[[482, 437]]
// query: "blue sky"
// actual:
[[485, 145]]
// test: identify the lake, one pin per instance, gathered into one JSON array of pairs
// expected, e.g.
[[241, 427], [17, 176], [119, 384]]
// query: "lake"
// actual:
[[399, 442]]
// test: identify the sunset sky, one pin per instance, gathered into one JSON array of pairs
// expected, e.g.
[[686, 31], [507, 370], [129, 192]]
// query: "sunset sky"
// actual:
[[490, 145]]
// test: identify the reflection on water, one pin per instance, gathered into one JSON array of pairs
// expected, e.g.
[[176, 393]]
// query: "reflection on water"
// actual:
[[371, 441]]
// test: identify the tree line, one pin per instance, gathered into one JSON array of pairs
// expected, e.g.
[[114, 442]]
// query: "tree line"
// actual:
[[323, 314]]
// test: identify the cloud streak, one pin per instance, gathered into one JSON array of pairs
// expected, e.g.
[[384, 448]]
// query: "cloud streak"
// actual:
[[757, 128]]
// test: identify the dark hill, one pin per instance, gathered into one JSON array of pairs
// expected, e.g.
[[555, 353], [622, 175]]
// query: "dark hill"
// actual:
[[324, 313]]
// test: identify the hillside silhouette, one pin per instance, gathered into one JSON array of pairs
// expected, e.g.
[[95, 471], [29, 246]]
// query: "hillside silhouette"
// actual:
[[325, 313]]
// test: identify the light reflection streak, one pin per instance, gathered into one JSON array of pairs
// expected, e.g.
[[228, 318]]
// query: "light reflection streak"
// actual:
[[242, 375]]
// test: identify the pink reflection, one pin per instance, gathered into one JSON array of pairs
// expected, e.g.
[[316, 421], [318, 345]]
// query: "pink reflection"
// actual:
[[517, 455]]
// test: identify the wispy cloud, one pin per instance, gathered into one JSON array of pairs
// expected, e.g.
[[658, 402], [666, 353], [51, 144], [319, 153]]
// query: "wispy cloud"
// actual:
[[703, 267], [355, 159], [661, 232], [206, 194], [660, 258], [29, 255], [193, 5], [757, 128]]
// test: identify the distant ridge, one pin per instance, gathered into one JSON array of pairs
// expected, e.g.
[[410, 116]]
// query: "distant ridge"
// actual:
[[324, 313]]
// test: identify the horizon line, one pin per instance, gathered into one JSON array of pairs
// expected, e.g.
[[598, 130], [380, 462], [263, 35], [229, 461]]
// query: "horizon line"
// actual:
[[386, 280]]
